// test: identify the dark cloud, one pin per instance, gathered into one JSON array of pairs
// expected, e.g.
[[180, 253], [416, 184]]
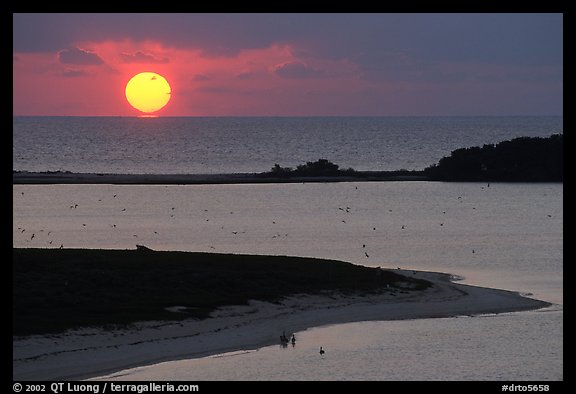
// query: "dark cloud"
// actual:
[[214, 34], [200, 78], [79, 56], [141, 57], [216, 90], [73, 73], [245, 75], [296, 70], [366, 39]]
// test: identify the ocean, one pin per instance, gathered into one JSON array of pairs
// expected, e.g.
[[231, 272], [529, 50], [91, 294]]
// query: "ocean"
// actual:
[[501, 235], [196, 145]]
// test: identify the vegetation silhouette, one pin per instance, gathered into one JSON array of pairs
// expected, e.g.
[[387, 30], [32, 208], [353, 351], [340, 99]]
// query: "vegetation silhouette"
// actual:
[[58, 289], [320, 167], [523, 159]]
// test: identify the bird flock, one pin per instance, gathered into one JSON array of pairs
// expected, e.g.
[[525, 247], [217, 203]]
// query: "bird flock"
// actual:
[[84, 210], [113, 206]]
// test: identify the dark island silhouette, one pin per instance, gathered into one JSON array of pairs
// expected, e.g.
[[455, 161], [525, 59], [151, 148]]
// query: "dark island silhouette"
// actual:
[[52, 292], [523, 159]]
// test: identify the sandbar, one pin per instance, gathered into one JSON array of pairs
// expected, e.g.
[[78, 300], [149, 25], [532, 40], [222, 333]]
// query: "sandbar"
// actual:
[[63, 178], [89, 353]]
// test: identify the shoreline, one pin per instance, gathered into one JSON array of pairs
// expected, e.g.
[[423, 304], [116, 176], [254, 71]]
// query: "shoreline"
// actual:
[[69, 178], [54, 178], [92, 353]]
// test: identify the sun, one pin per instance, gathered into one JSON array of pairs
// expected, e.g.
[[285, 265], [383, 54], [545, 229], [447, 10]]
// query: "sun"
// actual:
[[148, 92]]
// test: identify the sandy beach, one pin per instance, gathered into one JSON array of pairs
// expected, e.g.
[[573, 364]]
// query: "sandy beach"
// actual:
[[90, 353]]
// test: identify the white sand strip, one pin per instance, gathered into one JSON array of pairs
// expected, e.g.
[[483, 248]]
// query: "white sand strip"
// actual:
[[90, 352]]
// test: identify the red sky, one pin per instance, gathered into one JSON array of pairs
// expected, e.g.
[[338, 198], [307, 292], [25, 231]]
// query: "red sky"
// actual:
[[291, 65]]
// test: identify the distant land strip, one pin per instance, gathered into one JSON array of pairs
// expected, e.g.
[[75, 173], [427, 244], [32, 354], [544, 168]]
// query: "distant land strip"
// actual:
[[38, 178]]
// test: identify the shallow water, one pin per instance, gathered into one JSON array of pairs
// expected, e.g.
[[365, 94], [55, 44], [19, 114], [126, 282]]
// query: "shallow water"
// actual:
[[503, 235], [463, 348]]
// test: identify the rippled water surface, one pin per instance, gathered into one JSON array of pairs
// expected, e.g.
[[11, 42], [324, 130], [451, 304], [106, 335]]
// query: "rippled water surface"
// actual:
[[229, 145]]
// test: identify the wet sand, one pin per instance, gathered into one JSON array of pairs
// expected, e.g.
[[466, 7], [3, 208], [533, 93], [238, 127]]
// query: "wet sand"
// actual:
[[90, 353]]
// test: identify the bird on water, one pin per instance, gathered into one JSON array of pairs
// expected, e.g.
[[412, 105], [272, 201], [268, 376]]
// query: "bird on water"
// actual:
[[321, 350]]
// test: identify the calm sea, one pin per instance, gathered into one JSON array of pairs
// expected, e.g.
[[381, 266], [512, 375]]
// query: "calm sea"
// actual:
[[229, 145], [500, 235]]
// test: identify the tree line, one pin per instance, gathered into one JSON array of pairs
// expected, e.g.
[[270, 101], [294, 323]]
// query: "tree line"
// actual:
[[523, 159]]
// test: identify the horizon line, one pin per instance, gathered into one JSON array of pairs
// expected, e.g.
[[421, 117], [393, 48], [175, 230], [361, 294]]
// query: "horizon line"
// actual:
[[284, 116]]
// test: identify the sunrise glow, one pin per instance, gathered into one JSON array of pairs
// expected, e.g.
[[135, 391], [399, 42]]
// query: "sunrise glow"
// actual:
[[288, 65]]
